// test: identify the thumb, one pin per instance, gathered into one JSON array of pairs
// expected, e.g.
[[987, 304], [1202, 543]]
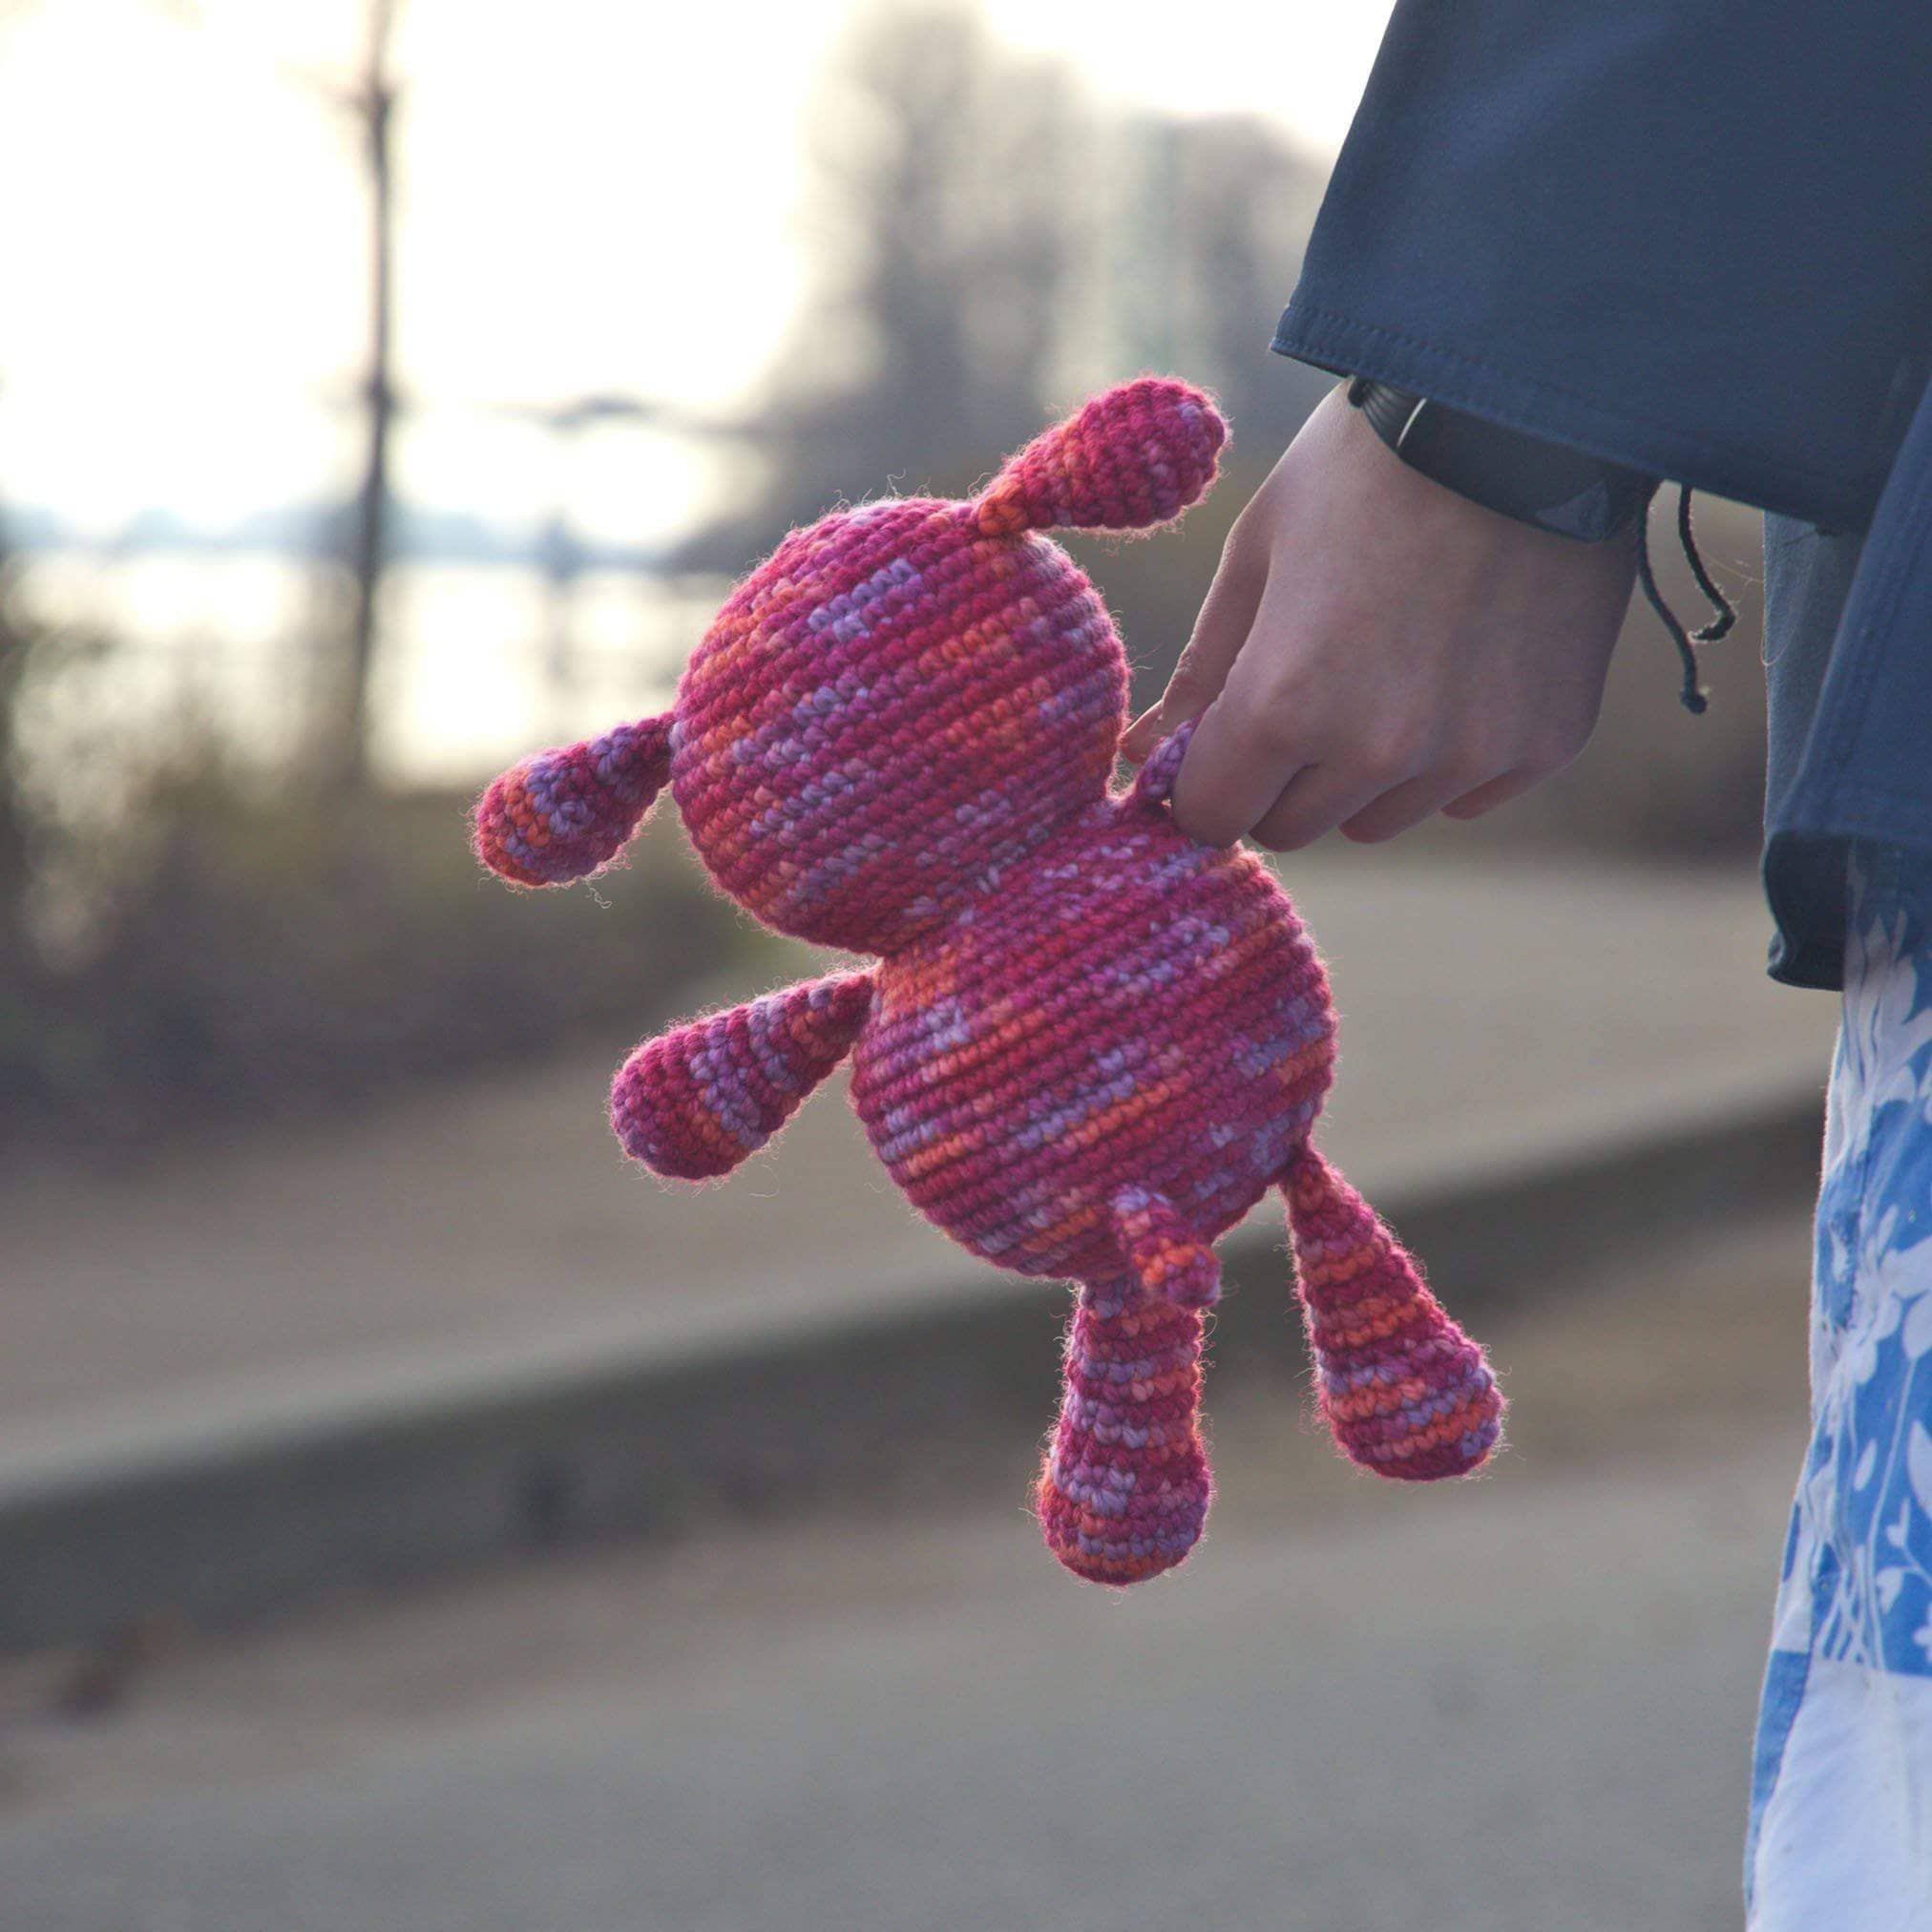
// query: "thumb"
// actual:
[[1227, 617]]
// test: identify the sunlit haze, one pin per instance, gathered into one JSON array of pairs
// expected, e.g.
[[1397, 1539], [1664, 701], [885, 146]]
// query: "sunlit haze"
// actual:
[[592, 198]]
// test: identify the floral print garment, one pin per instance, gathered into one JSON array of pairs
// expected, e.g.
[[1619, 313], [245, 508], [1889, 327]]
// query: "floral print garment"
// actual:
[[1840, 1828]]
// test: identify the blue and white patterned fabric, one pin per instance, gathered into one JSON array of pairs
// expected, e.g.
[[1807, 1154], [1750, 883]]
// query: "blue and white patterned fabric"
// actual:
[[1841, 1829]]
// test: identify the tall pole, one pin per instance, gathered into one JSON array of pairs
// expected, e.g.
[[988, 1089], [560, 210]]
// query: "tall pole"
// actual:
[[374, 103]]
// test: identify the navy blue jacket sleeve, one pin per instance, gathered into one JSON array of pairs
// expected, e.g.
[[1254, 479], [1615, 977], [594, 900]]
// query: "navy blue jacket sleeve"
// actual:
[[1691, 235]]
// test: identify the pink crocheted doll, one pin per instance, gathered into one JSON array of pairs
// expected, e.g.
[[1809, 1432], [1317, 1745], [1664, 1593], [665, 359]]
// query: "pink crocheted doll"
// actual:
[[1090, 1043]]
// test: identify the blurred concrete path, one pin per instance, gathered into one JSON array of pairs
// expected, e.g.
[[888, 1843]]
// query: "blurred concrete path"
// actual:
[[1490, 1015], [1531, 1720], [1523, 1703]]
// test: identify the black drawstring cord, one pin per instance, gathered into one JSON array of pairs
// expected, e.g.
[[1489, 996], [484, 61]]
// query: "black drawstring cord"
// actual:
[[1690, 696], [1727, 613]]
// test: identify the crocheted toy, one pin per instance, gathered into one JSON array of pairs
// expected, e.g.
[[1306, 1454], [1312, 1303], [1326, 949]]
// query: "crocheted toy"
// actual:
[[1090, 1043]]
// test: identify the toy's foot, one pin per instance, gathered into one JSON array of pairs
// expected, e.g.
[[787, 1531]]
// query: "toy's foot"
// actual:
[[1124, 1489]]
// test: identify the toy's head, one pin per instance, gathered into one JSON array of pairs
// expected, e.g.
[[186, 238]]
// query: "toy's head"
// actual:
[[903, 698]]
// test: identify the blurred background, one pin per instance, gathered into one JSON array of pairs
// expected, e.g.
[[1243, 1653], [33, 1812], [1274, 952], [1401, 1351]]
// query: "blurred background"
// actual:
[[387, 388]]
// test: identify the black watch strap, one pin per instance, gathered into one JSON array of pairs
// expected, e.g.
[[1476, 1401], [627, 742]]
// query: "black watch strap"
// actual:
[[1548, 485]]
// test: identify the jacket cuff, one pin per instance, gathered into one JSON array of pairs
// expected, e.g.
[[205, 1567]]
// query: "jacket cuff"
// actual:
[[1342, 344]]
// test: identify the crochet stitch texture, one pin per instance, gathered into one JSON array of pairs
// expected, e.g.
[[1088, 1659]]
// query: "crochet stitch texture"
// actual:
[[1089, 1044]]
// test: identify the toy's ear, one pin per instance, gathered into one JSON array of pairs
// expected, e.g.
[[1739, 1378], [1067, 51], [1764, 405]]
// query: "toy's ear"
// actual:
[[1133, 456], [567, 813]]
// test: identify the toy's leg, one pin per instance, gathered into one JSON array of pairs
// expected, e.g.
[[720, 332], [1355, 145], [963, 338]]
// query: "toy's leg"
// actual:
[[1405, 1391], [1125, 1488]]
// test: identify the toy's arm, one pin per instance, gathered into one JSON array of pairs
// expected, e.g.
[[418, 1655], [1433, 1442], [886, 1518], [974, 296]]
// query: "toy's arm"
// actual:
[[693, 1103], [1154, 782]]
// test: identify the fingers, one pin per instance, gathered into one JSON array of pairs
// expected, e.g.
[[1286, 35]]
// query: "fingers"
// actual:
[[1316, 800], [1227, 617], [1210, 804], [1253, 774], [1403, 808], [1238, 763], [1487, 797]]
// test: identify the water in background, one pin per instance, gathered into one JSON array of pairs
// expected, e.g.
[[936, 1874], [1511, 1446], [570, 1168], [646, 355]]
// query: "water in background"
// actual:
[[479, 662]]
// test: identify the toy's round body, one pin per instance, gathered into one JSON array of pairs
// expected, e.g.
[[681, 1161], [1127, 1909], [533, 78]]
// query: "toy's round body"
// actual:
[[1124, 1008]]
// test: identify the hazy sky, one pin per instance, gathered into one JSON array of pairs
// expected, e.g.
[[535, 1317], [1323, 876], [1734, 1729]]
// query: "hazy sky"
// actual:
[[186, 229]]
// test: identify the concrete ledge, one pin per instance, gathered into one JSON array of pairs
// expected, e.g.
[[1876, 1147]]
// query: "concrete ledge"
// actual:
[[222, 1522]]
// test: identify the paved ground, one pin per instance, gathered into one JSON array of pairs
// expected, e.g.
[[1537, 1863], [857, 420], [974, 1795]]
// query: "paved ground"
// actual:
[[1491, 1012], [1521, 1704]]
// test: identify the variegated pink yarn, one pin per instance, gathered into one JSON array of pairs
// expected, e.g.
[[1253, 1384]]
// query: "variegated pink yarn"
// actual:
[[1090, 1043]]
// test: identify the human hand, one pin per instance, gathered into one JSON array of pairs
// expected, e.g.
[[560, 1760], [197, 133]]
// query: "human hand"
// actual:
[[1375, 648]]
